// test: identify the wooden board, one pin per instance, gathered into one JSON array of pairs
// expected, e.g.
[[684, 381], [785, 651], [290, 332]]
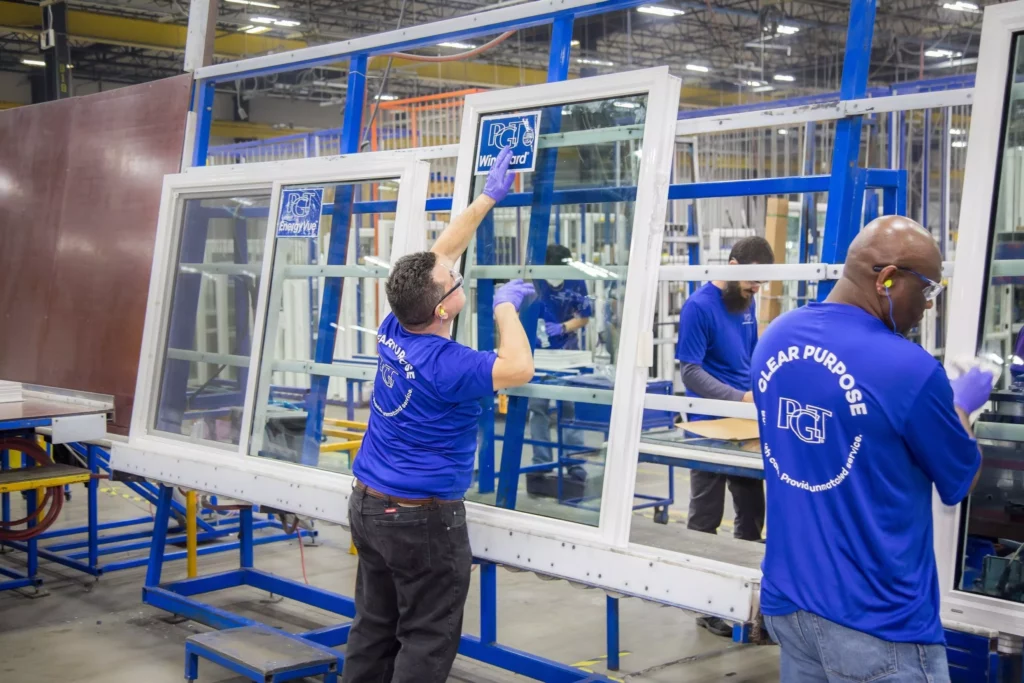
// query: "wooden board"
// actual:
[[726, 429], [77, 234]]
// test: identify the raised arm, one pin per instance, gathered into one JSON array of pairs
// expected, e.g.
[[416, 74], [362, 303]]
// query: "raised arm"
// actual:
[[457, 236], [514, 365]]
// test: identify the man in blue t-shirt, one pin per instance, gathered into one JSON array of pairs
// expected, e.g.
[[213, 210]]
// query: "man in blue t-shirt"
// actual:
[[565, 309], [406, 513], [717, 334], [857, 424]]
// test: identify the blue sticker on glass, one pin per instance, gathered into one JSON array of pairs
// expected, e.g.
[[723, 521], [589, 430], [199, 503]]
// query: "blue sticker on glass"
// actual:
[[518, 131], [300, 212]]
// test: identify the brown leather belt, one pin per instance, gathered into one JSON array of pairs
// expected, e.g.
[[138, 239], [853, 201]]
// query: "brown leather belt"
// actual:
[[374, 493]]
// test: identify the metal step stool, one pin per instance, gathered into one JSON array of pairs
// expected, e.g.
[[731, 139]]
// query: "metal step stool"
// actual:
[[261, 654]]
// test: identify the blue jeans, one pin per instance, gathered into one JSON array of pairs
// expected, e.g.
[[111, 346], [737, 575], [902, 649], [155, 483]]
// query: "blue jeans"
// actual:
[[817, 650]]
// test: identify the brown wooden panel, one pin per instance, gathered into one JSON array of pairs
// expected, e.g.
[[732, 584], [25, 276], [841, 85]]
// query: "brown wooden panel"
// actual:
[[33, 155], [117, 147]]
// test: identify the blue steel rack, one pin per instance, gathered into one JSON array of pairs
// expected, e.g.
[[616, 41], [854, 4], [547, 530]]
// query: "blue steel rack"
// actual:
[[845, 185]]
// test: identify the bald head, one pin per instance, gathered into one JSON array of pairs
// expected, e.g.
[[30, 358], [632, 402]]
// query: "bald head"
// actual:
[[892, 240], [887, 269]]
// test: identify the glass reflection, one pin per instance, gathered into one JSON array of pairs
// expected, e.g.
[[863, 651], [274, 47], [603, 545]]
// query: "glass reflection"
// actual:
[[213, 300], [993, 517], [316, 416], [566, 229]]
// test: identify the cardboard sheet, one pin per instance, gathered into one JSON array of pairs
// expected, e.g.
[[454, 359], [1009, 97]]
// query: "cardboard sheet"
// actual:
[[726, 429]]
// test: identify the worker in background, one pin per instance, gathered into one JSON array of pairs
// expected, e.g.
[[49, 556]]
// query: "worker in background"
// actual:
[[717, 334], [857, 423], [565, 310], [416, 462]]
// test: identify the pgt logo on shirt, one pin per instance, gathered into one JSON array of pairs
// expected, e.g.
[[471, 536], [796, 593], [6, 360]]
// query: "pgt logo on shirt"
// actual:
[[748, 319], [387, 373], [806, 422]]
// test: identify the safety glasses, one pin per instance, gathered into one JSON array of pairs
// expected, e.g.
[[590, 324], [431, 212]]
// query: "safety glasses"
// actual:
[[457, 277], [931, 290]]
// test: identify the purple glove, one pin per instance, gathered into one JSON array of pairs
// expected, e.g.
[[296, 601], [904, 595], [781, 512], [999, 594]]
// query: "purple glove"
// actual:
[[971, 389], [499, 180], [514, 293], [554, 329]]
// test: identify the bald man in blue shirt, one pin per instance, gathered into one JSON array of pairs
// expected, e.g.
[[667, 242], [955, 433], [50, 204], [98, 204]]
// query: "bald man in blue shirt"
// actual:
[[858, 424]]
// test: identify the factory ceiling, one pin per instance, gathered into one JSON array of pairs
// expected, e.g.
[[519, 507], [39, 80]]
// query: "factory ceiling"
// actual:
[[727, 51]]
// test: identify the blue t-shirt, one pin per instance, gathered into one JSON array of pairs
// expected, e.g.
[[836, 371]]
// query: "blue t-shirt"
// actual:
[[421, 438], [856, 425], [559, 305], [718, 341]]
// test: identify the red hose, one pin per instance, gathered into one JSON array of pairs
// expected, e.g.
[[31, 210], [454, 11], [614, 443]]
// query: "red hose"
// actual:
[[54, 494]]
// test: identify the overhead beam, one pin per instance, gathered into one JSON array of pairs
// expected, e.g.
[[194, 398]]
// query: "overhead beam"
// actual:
[[106, 28]]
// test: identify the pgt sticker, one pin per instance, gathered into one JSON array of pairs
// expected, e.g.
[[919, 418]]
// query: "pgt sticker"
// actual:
[[518, 131], [301, 209]]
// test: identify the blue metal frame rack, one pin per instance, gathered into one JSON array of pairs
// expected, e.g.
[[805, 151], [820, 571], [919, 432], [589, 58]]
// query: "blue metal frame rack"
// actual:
[[846, 186], [180, 598]]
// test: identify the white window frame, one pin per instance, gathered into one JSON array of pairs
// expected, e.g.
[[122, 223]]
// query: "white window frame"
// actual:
[[662, 92], [1000, 24], [228, 470]]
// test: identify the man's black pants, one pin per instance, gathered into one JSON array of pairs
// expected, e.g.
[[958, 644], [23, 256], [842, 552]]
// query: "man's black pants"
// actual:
[[411, 587], [707, 504]]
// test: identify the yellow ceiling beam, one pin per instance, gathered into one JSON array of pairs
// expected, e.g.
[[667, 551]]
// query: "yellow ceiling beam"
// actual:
[[247, 129], [105, 28]]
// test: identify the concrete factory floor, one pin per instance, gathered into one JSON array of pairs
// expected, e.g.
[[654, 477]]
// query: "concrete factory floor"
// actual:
[[101, 632]]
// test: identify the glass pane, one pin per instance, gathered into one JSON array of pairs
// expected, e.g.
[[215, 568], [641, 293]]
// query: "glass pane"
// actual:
[[992, 517], [213, 301], [579, 196], [301, 416]]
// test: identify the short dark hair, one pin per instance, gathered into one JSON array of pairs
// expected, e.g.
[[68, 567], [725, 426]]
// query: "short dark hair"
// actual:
[[412, 291], [557, 255], [752, 250]]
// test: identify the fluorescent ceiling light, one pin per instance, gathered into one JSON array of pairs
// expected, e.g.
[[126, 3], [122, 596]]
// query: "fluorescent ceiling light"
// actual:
[[330, 84], [697, 67], [386, 98], [595, 62], [753, 84], [626, 105], [33, 62], [374, 261], [959, 143], [783, 131], [255, 4], [785, 78], [764, 88], [457, 46], [574, 43], [788, 30], [942, 53], [660, 11], [961, 6], [591, 269], [958, 131], [258, 29], [287, 23]]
